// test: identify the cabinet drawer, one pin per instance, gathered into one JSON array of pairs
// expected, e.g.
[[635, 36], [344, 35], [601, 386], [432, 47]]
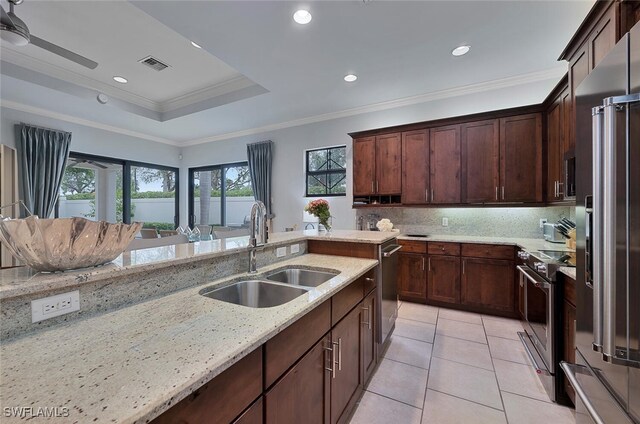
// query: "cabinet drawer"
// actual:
[[222, 399], [492, 251], [282, 351], [343, 301], [413, 246], [439, 248], [369, 281]]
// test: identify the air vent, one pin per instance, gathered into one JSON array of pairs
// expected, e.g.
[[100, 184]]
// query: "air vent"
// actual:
[[153, 63]]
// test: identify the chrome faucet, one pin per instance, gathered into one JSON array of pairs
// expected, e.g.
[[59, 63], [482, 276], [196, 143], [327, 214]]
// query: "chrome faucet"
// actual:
[[259, 214]]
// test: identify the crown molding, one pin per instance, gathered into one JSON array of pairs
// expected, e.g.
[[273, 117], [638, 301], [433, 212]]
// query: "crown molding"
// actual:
[[84, 122], [556, 72], [236, 83]]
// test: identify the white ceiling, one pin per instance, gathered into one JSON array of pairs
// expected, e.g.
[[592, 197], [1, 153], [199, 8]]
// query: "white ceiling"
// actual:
[[398, 49]]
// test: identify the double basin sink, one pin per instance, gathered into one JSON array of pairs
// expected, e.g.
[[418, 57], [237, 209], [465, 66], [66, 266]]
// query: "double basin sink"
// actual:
[[274, 289]]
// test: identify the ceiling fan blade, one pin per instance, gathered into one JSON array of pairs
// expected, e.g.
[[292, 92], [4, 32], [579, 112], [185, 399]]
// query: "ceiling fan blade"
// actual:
[[5, 19], [60, 51]]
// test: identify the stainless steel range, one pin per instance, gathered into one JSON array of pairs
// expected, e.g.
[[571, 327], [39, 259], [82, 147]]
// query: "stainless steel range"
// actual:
[[542, 309]]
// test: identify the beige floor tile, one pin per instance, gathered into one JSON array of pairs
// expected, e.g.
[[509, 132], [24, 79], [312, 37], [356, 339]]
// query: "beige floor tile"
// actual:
[[376, 409], [401, 382], [522, 410], [461, 330], [415, 330], [506, 328], [463, 316], [507, 349], [464, 381], [418, 312], [409, 351], [440, 408], [520, 379], [463, 351]]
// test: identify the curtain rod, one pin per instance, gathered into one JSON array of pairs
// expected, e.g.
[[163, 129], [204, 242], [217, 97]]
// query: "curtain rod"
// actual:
[[44, 128]]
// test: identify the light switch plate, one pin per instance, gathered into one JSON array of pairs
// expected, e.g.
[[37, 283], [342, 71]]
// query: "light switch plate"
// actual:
[[445, 222], [281, 251], [295, 248], [53, 306]]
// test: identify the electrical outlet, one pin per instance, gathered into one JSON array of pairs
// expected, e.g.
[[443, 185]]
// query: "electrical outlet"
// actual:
[[445, 222], [281, 251], [53, 306], [295, 248], [542, 222]]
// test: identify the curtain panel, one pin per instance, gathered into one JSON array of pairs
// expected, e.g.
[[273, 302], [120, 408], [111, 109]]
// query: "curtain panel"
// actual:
[[260, 157], [42, 157]]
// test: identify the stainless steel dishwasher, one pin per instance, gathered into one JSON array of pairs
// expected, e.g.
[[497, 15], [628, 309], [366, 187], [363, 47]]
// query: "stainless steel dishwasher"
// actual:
[[387, 289]]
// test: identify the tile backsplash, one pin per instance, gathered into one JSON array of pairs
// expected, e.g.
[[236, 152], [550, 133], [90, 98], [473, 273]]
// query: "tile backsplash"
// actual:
[[496, 222]]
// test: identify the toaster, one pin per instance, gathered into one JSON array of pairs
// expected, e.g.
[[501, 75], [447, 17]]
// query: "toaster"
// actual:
[[551, 233]]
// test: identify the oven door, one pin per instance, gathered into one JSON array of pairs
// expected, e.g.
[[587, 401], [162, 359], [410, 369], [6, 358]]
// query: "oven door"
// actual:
[[539, 313]]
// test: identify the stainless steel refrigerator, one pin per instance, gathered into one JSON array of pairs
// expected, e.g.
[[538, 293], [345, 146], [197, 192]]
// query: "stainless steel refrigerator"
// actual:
[[606, 376]]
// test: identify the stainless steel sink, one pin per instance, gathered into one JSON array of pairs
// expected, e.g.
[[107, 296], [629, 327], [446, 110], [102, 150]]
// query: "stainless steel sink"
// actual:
[[255, 293], [301, 277]]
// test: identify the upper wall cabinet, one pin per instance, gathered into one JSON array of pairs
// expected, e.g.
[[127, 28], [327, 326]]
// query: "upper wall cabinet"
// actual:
[[521, 158], [415, 167], [377, 165], [445, 164], [557, 133], [480, 161]]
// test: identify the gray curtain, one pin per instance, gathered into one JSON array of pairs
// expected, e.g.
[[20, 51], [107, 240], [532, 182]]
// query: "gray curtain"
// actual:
[[42, 156], [260, 157]]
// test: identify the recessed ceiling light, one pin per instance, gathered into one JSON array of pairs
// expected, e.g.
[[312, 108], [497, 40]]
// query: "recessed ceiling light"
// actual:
[[350, 78], [459, 51], [196, 45], [302, 16], [121, 80]]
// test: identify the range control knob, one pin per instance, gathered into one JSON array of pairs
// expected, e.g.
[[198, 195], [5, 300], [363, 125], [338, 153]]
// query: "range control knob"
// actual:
[[540, 266], [523, 255]]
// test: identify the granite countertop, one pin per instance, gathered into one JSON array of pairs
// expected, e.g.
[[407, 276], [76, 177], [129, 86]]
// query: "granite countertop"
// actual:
[[568, 271], [528, 244], [129, 365], [23, 281]]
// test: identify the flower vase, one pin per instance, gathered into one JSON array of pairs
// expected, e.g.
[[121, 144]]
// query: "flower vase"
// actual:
[[325, 225]]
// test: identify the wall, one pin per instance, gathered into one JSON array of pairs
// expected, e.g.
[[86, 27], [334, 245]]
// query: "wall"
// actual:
[[291, 143], [494, 222]]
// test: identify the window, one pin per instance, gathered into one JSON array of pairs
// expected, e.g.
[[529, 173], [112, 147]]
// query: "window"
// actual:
[[326, 172], [220, 195], [116, 190]]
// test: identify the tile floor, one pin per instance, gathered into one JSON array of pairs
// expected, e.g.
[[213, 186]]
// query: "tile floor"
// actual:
[[445, 366]]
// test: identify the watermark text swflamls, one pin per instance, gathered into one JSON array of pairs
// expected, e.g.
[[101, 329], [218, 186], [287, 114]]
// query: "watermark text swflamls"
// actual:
[[35, 412]]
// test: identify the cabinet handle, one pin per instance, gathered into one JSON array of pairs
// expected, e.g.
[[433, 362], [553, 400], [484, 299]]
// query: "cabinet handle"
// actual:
[[502, 192], [339, 354], [560, 192], [433, 195], [368, 321], [426, 195], [429, 263], [332, 368], [369, 279], [464, 263], [555, 189], [372, 188], [377, 187], [496, 192], [423, 263]]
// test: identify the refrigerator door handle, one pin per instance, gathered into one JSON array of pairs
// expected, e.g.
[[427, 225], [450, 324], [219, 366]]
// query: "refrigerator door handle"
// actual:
[[595, 234]]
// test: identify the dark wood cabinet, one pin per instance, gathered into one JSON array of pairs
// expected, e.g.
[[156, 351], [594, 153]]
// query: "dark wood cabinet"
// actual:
[[555, 150], [603, 37], [369, 344], [389, 164], [521, 299], [253, 415], [480, 161], [443, 283], [415, 167], [412, 277], [303, 393], [346, 383], [578, 71], [569, 354], [488, 284], [521, 158], [364, 166], [444, 164]]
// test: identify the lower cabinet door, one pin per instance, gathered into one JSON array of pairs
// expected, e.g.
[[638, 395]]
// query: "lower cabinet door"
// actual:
[[412, 277], [488, 284], [253, 415], [302, 394], [369, 345], [443, 284], [346, 384]]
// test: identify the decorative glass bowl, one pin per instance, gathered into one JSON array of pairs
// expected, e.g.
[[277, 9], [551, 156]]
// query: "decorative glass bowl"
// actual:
[[61, 244]]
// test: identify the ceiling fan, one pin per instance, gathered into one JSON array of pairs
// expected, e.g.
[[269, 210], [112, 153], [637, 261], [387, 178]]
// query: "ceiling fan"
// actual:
[[16, 32]]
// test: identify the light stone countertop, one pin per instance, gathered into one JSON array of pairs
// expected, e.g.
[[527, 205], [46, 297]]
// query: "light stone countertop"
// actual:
[[568, 271], [527, 244], [128, 365], [23, 281]]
